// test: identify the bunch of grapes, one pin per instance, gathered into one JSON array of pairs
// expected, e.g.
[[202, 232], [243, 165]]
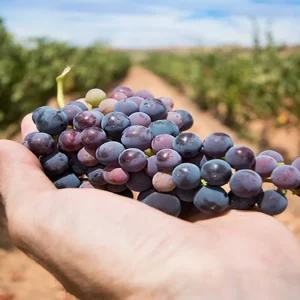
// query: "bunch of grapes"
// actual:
[[132, 141]]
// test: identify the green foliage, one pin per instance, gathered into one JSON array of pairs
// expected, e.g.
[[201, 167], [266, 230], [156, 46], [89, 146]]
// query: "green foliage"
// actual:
[[27, 74], [237, 86]]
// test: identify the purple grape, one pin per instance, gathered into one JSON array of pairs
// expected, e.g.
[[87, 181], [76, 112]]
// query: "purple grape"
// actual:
[[55, 163], [144, 194], [176, 118], [153, 108], [199, 160], [93, 137], [144, 94], [96, 178], [70, 140], [38, 111], [296, 163], [87, 157], [186, 195], [164, 127], [166, 203], [79, 104], [87, 119], [272, 203], [277, 156], [211, 200], [127, 107], [151, 168], [163, 182], [286, 177], [86, 185], [96, 110], [71, 111], [139, 118], [119, 96], [116, 188], [217, 144], [162, 141], [167, 160], [133, 160], [187, 144], [115, 175], [186, 176], [136, 136], [67, 181], [240, 157], [264, 165], [41, 143], [167, 101], [188, 120], [77, 167], [108, 153], [137, 100], [114, 123], [245, 183], [216, 172], [139, 181], [52, 121], [124, 89], [241, 203], [29, 136]]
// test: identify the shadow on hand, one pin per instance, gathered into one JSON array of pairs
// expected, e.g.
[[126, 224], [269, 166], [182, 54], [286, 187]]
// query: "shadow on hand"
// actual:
[[5, 241]]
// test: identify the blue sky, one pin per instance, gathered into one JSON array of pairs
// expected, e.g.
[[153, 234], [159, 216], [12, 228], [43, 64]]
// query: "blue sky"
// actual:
[[152, 23]]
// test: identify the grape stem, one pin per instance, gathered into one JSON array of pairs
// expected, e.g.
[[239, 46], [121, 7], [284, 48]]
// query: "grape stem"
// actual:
[[60, 86]]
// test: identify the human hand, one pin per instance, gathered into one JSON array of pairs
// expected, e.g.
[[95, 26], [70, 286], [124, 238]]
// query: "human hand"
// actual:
[[102, 246]]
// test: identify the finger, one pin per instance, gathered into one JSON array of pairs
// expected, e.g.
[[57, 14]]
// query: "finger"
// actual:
[[27, 125]]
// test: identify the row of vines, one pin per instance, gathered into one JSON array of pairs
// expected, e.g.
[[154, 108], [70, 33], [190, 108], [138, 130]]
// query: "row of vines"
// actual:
[[27, 73]]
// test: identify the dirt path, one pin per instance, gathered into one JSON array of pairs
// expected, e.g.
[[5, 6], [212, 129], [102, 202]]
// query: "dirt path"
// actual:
[[22, 279]]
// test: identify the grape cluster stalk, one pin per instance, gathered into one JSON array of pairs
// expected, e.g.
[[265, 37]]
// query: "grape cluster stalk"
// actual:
[[134, 141]]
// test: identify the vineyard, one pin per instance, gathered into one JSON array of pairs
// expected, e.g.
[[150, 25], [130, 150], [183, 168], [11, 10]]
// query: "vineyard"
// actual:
[[237, 86], [27, 73]]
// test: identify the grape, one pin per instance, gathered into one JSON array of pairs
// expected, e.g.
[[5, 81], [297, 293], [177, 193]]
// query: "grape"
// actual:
[[116, 188], [167, 101], [241, 203], [87, 119], [71, 111], [108, 153], [166, 203], [217, 144], [95, 96], [245, 183], [86, 185], [175, 117], [118, 96], [216, 172], [272, 203], [115, 175], [137, 100], [153, 108], [199, 160], [186, 208], [93, 137], [139, 118], [114, 123], [29, 136], [107, 106], [162, 141], [240, 157], [77, 167], [95, 177], [144, 94], [296, 163], [96, 110], [79, 104], [151, 168], [38, 111], [127, 107], [164, 127], [55, 164], [264, 165], [87, 157], [187, 195], [163, 182], [124, 89], [145, 194], [211, 200], [67, 181], [188, 120], [167, 159], [127, 193], [41, 143], [52, 121], [133, 160], [139, 181], [70, 140], [286, 177], [186, 176], [277, 156], [137, 136], [187, 144]]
